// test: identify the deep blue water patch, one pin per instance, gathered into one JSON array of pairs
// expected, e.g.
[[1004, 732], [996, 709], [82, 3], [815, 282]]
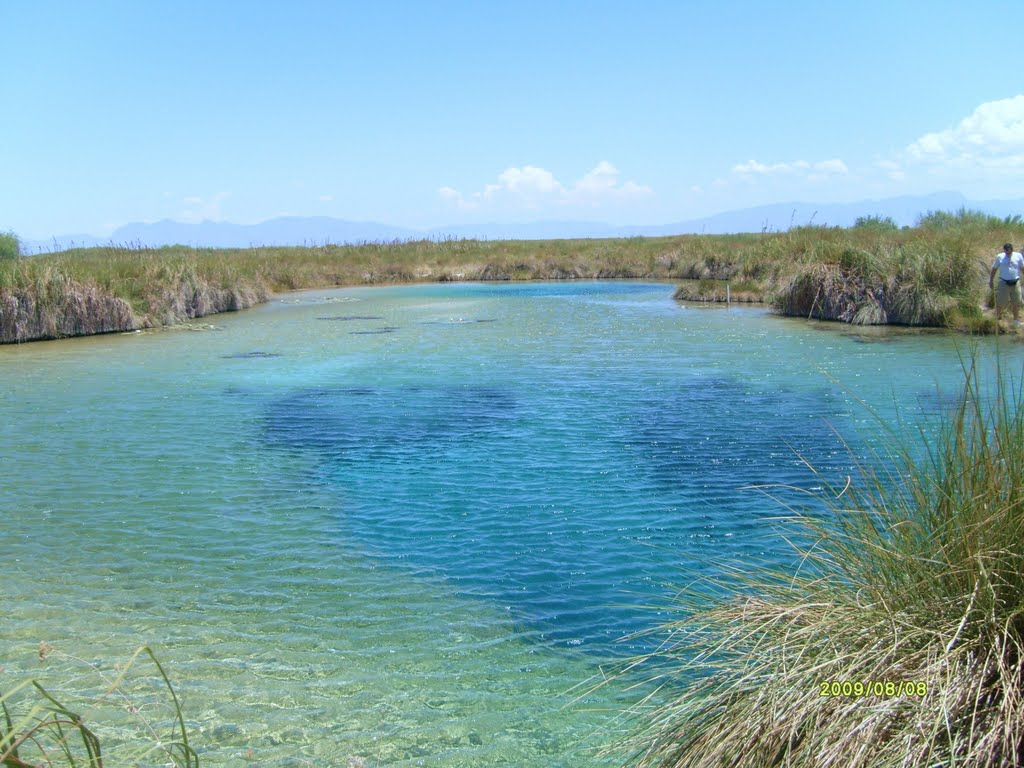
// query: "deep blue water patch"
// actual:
[[719, 433], [566, 506], [361, 423]]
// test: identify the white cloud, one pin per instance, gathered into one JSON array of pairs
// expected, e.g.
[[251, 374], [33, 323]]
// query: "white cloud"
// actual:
[[602, 178], [928, 146], [892, 170], [528, 182], [198, 209], [982, 154], [633, 190], [831, 166], [994, 131], [533, 188], [454, 197], [818, 170], [601, 186], [326, 198], [754, 167]]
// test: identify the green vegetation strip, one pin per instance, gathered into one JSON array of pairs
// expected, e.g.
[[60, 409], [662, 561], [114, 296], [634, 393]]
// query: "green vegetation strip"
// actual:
[[933, 274]]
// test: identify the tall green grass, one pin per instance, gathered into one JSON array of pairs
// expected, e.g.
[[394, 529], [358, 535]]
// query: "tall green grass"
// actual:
[[921, 278], [966, 219], [898, 640]]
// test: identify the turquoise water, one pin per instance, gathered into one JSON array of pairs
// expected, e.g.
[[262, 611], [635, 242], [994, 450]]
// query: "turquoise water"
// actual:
[[403, 526]]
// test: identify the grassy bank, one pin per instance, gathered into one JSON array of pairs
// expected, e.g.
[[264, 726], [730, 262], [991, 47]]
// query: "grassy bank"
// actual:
[[932, 275], [899, 641], [96, 290], [100, 290]]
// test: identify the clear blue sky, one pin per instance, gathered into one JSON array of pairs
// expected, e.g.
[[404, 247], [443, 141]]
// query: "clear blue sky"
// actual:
[[425, 114]]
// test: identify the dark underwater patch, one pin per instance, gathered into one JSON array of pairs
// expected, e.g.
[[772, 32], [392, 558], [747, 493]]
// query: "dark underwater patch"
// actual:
[[349, 318], [256, 355], [935, 402], [355, 422], [724, 434], [458, 322], [571, 288]]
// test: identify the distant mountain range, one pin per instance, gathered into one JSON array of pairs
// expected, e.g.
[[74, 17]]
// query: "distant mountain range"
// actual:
[[320, 230]]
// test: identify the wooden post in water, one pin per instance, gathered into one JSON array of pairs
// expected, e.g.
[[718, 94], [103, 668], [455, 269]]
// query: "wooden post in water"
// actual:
[[728, 297]]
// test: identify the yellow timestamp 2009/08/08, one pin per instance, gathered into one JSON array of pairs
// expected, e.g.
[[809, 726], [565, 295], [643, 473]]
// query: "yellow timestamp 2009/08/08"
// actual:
[[877, 688]]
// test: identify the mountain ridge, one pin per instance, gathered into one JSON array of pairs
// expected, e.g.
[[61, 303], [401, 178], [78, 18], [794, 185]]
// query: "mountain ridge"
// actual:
[[321, 230]]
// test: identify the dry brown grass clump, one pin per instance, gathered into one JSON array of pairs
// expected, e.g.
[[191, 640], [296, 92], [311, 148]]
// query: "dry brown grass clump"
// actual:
[[55, 306]]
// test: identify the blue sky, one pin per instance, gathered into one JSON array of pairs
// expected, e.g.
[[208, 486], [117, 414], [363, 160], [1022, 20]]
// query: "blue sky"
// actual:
[[426, 114]]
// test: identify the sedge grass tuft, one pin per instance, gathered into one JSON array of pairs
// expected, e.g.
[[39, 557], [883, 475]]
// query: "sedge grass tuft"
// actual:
[[134, 718], [898, 640]]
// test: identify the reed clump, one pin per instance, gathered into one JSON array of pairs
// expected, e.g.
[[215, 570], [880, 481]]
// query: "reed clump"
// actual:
[[923, 282], [898, 638], [104, 290], [933, 274], [48, 304]]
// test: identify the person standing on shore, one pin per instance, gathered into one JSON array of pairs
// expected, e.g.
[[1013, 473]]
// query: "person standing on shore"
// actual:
[[1009, 264]]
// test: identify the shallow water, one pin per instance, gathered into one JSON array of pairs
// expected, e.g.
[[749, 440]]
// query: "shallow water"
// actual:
[[402, 525]]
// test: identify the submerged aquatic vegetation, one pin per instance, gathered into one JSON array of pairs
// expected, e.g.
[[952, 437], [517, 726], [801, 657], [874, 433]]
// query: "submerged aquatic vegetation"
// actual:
[[898, 640]]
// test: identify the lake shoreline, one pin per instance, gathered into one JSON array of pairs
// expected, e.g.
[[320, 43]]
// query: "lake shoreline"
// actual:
[[87, 313], [934, 275]]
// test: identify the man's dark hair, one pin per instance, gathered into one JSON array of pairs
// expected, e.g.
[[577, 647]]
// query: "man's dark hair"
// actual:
[[1007, 246]]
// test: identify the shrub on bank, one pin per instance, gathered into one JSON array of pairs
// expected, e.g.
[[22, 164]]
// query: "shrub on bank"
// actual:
[[877, 223], [10, 245]]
